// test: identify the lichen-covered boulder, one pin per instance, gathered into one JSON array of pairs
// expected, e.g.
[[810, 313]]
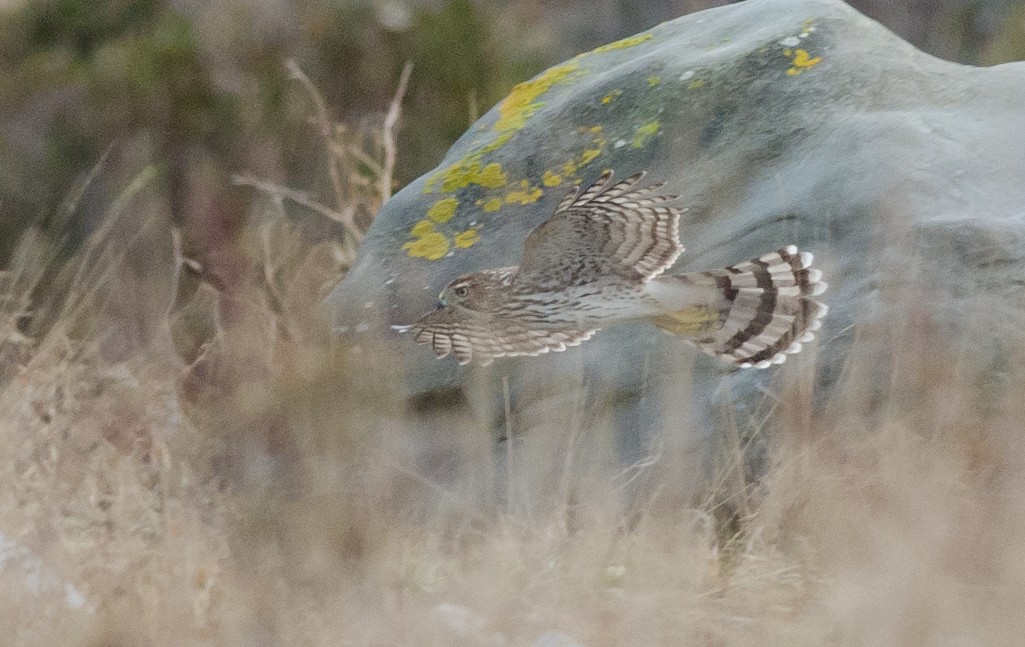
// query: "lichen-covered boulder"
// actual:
[[777, 122]]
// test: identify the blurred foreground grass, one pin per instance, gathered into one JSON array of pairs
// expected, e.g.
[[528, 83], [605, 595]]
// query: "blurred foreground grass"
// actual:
[[197, 464]]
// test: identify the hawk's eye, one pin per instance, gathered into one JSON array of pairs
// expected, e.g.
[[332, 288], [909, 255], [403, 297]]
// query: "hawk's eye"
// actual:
[[461, 291]]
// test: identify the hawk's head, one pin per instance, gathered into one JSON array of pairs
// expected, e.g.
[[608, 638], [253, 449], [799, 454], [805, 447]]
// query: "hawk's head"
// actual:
[[468, 291], [480, 291]]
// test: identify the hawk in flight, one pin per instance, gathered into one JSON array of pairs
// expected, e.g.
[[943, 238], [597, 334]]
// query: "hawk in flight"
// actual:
[[599, 260]]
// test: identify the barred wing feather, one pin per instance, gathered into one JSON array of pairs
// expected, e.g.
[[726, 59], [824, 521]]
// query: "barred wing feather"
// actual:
[[611, 230]]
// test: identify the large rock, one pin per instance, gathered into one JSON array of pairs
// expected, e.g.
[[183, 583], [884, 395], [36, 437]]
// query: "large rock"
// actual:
[[777, 121]]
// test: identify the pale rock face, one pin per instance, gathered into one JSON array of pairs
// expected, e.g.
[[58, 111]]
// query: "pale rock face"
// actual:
[[777, 122]]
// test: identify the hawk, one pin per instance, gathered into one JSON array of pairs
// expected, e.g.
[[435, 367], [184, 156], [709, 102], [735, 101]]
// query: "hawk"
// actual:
[[599, 260]]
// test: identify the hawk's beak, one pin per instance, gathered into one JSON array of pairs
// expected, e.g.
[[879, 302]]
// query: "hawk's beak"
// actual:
[[441, 304]]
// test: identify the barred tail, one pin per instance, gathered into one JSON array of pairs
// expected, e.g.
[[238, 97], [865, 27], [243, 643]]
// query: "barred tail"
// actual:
[[765, 312]]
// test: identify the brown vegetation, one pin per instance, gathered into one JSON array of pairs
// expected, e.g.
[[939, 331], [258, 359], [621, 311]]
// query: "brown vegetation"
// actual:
[[195, 466]]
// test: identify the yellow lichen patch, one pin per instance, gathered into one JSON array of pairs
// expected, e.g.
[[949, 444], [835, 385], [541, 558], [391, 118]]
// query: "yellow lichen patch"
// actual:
[[610, 97], [632, 41], [522, 102], [422, 228], [527, 195], [643, 134], [513, 112], [801, 61], [443, 210], [568, 170], [467, 238], [466, 172], [496, 143], [427, 243], [564, 173], [491, 205], [588, 155], [491, 176], [804, 60], [654, 80], [696, 84]]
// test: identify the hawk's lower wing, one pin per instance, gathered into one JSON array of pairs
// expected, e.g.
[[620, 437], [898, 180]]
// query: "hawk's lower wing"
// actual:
[[469, 335], [609, 230]]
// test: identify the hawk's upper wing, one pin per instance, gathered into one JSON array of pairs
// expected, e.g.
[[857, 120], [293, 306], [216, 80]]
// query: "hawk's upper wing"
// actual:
[[611, 229], [468, 334]]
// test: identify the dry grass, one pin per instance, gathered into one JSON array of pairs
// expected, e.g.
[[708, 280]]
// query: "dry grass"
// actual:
[[178, 474]]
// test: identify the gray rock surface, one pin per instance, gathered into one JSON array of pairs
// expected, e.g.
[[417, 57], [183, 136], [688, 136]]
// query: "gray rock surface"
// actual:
[[777, 121]]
